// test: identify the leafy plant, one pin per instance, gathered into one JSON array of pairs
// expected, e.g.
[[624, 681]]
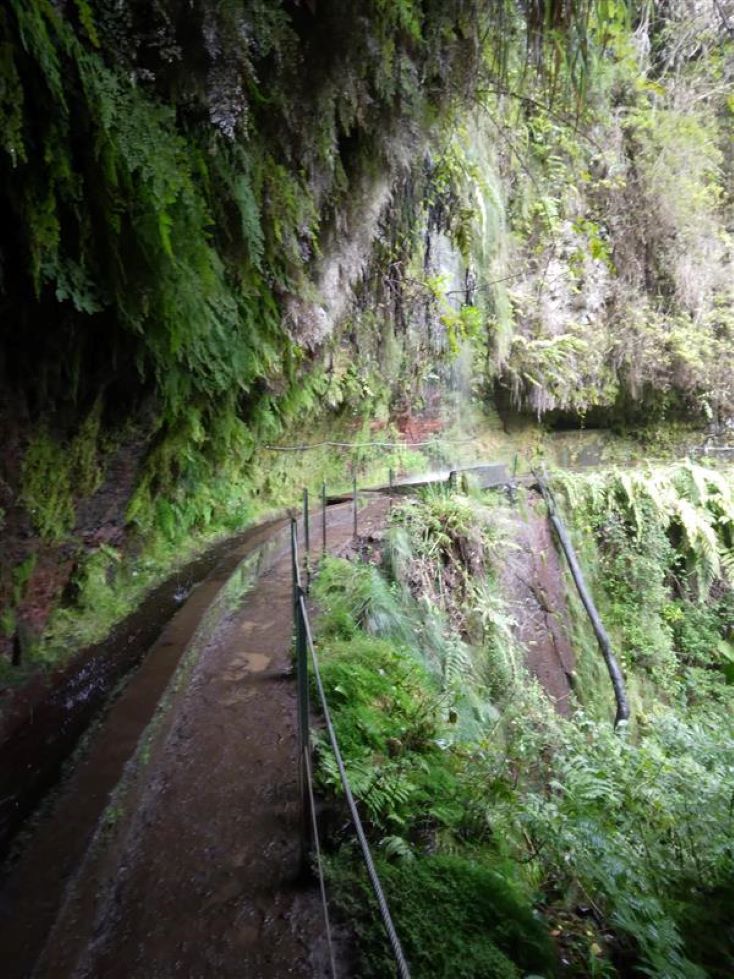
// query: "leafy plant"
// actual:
[[637, 826], [46, 487], [456, 917]]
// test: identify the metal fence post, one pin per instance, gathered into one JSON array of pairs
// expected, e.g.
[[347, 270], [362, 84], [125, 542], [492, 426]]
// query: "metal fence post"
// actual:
[[306, 528], [294, 565], [307, 539], [302, 675], [354, 503], [302, 698], [323, 514]]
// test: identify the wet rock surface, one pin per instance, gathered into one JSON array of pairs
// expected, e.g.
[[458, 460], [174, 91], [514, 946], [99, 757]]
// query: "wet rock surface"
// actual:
[[533, 583]]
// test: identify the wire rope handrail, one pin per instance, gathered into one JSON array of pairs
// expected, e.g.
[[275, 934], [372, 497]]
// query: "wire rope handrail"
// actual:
[[365, 445], [387, 921], [319, 862], [304, 646]]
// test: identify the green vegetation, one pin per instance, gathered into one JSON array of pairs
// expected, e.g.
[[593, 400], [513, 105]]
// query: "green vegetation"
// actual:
[[165, 249], [189, 245], [659, 547], [55, 475], [47, 488], [396, 724], [203, 255], [621, 290], [478, 925], [169, 529], [479, 797], [232, 227]]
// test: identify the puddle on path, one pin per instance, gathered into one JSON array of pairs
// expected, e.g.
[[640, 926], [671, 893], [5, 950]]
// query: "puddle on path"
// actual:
[[246, 663], [257, 662]]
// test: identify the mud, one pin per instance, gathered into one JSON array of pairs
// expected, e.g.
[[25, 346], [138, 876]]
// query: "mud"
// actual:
[[33, 882], [532, 582], [43, 722]]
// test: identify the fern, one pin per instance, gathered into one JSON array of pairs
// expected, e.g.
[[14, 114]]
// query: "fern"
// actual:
[[46, 487], [396, 847], [700, 501], [727, 562], [11, 100], [458, 669]]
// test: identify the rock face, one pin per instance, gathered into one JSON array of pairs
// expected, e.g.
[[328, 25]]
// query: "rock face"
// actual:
[[621, 269], [347, 252], [532, 584], [194, 200]]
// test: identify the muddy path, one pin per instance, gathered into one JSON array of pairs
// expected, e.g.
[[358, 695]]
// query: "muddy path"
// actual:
[[533, 584], [199, 876], [33, 879], [42, 722]]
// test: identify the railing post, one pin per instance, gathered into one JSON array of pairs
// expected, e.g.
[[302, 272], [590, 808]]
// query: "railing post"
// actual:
[[302, 675], [307, 539], [302, 699], [354, 503], [303, 736], [323, 514], [306, 528], [294, 566]]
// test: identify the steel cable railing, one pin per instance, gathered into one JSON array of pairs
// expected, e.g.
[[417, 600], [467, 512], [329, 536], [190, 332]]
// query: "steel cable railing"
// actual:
[[304, 647], [368, 445]]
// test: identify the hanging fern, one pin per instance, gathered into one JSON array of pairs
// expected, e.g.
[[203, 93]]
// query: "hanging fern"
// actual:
[[696, 500]]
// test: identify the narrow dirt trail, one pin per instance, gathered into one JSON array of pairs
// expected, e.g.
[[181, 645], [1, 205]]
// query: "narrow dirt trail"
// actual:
[[42, 721], [33, 886], [203, 880], [533, 584]]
